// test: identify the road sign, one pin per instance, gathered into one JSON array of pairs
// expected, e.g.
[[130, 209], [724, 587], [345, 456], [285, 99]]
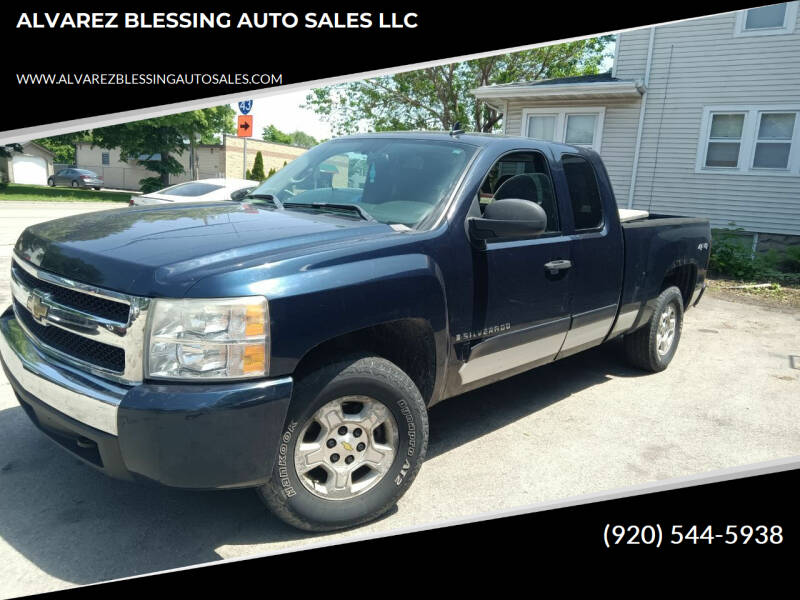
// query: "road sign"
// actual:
[[245, 106], [245, 128]]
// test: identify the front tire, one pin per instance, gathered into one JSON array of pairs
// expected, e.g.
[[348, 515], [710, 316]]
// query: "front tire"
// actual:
[[51, 182], [354, 439], [653, 346]]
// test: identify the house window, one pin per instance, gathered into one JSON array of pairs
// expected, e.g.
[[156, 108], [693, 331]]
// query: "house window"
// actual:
[[750, 140], [580, 130], [767, 20], [724, 140], [542, 127], [106, 157], [575, 126], [774, 140]]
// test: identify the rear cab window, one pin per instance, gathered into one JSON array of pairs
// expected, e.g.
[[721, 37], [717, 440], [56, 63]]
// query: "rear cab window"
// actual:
[[584, 193], [191, 189]]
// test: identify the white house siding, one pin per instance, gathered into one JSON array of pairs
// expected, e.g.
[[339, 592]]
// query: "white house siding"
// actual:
[[619, 133], [632, 54], [710, 66]]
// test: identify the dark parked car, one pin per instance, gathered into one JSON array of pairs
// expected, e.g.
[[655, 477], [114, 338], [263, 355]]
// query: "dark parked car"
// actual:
[[77, 178], [293, 342]]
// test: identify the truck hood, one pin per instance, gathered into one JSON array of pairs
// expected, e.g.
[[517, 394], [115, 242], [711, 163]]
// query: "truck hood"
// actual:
[[164, 249]]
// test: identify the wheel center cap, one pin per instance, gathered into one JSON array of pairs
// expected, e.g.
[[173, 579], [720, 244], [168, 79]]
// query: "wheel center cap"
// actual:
[[347, 446]]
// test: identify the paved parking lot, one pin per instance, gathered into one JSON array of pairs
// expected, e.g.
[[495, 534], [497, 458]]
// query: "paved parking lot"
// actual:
[[586, 424]]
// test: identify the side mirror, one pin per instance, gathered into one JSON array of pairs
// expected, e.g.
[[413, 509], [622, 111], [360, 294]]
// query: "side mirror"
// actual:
[[508, 219]]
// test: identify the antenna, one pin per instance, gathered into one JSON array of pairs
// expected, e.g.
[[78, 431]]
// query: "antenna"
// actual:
[[456, 130]]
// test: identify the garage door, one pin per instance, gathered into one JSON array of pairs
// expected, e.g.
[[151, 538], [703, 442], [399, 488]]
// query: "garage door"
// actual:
[[30, 169]]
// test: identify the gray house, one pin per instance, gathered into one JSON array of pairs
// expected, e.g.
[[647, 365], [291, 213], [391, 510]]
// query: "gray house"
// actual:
[[696, 118]]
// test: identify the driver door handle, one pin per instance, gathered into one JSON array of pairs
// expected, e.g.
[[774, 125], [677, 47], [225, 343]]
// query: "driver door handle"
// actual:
[[554, 266]]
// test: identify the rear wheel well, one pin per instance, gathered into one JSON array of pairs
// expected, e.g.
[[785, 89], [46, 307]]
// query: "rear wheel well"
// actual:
[[684, 278], [408, 343]]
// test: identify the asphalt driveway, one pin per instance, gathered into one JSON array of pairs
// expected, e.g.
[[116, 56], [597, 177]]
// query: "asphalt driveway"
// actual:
[[586, 424]]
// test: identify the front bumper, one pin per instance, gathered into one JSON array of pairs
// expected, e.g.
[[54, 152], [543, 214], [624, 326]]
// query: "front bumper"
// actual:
[[197, 436]]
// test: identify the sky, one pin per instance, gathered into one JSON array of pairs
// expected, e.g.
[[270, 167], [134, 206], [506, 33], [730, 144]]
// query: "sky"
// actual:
[[285, 113]]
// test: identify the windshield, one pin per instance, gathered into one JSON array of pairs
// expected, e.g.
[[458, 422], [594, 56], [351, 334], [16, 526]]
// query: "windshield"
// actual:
[[393, 180]]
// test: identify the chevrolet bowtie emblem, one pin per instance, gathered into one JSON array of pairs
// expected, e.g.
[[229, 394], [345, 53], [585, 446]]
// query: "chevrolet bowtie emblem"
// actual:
[[347, 446], [37, 308]]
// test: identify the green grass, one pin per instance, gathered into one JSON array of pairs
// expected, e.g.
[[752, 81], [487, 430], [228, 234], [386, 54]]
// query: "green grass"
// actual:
[[43, 193]]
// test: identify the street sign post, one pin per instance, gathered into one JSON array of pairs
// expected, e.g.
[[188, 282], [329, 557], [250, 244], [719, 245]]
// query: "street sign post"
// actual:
[[244, 130]]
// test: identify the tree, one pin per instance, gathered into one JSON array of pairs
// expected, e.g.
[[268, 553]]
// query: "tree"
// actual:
[[438, 97], [5, 152], [273, 134], [63, 146], [257, 174], [296, 138], [154, 143], [301, 138]]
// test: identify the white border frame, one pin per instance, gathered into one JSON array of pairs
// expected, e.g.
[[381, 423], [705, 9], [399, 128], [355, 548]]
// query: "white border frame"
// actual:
[[561, 113], [748, 141], [789, 22]]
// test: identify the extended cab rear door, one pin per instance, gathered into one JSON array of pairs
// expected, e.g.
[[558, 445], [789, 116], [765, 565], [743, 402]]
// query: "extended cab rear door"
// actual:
[[597, 249]]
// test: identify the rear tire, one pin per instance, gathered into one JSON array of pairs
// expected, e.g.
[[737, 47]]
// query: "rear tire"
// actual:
[[653, 346], [51, 182], [74, 184], [354, 439]]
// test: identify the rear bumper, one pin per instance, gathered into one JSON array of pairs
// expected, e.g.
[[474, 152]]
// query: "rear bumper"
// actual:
[[197, 436]]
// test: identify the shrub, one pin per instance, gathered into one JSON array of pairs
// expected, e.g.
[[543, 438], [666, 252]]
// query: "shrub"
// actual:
[[791, 260], [257, 173], [731, 255], [151, 184]]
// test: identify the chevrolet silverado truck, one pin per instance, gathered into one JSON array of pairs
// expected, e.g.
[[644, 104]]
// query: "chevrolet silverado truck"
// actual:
[[293, 342]]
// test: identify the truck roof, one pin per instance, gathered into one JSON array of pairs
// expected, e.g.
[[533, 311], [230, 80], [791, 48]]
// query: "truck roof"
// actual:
[[474, 138]]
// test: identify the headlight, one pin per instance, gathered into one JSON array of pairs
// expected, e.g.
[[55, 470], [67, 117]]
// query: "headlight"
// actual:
[[208, 339]]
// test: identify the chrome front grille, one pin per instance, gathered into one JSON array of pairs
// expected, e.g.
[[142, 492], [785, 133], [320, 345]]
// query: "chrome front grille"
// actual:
[[94, 329]]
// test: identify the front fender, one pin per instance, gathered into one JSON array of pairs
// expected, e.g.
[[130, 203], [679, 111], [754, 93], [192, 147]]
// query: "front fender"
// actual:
[[308, 308]]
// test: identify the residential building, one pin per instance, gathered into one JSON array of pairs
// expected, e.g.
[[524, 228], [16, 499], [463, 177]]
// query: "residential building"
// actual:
[[698, 118], [32, 166], [210, 160]]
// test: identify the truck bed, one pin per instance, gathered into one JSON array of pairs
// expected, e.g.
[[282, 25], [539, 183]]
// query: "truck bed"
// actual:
[[660, 247]]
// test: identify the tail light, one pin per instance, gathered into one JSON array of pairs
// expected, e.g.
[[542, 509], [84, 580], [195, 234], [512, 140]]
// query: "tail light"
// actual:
[[85, 177]]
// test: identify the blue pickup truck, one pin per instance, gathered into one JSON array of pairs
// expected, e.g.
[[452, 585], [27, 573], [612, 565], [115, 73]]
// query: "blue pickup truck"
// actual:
[[294, 341]]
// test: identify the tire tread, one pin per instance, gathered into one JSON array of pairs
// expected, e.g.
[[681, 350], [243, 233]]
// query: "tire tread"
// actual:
[[313, 383], [640, 345]]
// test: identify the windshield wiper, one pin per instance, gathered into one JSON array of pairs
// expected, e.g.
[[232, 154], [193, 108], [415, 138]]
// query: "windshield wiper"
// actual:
[[269, 197], [331, 205]]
